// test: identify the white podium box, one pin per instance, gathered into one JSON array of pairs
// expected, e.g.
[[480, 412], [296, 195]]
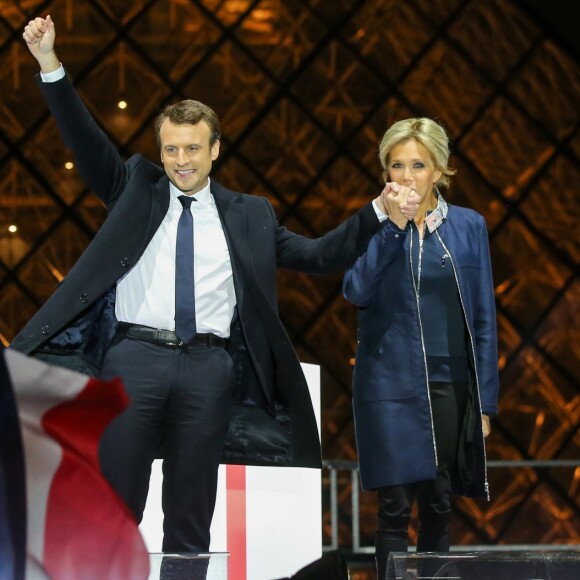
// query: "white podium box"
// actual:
[[267, 518]]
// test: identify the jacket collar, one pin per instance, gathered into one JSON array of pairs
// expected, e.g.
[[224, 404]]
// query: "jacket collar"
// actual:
[[435, 218]]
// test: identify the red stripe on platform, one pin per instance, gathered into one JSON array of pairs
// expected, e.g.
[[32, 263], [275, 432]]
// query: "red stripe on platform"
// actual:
[[236, 521]]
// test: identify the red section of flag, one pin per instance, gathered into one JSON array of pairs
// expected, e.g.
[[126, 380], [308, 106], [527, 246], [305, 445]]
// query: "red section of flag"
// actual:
[[89, 532], [236, 521]]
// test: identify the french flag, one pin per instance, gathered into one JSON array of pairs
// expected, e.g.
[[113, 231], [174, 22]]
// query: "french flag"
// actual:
[[59, 519]]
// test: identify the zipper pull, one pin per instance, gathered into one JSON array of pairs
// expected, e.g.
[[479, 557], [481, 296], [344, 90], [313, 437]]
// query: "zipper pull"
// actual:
[[443, 259]]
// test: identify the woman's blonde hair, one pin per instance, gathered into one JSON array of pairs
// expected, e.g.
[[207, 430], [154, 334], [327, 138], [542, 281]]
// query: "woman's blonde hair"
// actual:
[[425, 131]]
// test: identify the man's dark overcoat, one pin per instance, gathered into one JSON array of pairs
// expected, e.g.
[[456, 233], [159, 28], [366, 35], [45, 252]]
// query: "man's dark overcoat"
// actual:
[[272, 419]]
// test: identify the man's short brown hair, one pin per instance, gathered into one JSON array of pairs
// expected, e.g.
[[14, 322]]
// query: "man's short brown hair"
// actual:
[[189, 112]]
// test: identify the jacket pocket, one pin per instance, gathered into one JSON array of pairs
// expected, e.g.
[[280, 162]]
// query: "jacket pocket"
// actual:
[[387, 372]]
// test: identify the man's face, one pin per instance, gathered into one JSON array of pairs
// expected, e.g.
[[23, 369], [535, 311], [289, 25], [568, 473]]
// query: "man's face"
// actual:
[[186, 154]]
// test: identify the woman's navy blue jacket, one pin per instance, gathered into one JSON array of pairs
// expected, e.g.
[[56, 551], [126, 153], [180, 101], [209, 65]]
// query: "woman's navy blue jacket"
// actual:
[[393, 423]]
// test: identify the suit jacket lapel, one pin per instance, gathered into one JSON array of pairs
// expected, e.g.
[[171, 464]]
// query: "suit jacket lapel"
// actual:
[[159, 207], [230, 207]]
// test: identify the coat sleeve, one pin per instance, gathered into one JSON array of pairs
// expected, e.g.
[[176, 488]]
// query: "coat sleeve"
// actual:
[[97, 160], [363, 278], [330, 252], [485, 328]]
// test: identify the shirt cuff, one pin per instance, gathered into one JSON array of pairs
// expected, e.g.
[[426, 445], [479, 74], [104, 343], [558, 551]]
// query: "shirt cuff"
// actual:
[[380, 215], [53, 76]]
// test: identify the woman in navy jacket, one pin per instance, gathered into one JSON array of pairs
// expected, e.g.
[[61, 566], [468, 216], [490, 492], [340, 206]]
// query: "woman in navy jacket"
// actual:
[[425, 379]]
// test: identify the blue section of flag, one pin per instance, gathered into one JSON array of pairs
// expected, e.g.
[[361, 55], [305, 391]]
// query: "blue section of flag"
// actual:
[[12, 483]]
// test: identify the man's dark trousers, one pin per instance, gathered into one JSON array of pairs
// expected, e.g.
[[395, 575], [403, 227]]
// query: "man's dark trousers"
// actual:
[[180, 401]]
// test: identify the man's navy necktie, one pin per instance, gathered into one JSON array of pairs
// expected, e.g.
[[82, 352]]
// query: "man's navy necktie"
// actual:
[[184, 285]]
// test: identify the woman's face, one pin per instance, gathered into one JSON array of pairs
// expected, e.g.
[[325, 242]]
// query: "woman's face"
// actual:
[[410, 165]]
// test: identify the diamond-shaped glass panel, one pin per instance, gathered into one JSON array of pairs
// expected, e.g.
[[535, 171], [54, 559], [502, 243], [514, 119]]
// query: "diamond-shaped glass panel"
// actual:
[[495, 35], [498, 149], [371, 33], [516, 250], [549, 86], [339, 90], [446, 74]]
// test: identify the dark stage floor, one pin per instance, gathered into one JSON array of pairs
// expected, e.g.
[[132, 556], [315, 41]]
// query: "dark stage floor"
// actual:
[[460, 565]]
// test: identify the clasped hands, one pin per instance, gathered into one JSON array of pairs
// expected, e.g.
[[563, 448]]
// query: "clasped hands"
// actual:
[[399, 202]]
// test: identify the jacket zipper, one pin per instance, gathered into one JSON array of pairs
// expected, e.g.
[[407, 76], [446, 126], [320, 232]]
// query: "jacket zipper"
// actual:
[[415, 288], [486, 484]]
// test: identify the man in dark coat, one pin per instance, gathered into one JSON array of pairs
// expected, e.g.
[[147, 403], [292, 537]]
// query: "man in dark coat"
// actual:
[[119, 312]]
